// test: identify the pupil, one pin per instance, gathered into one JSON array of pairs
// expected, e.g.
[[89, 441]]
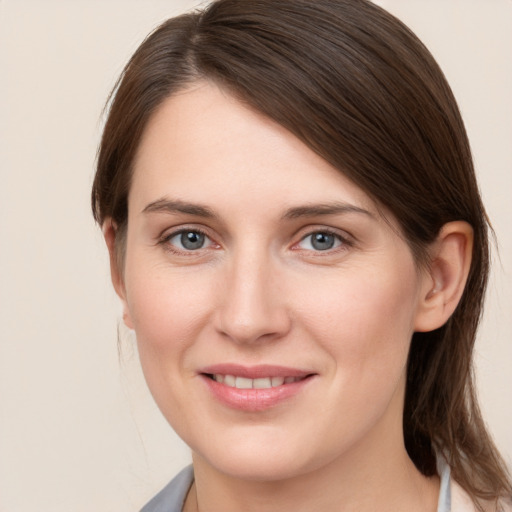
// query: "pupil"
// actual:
[[322, 241], [192, 240]]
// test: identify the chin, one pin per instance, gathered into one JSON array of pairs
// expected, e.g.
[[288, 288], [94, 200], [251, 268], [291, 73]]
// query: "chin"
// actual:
[[258, 460], [255, 470]]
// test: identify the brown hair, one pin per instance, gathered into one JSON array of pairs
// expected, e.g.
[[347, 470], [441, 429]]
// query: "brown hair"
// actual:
[[358, 87]]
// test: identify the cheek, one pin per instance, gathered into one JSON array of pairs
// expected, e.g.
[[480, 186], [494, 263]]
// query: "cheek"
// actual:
[[168, 313], [365, 320], [167, 308]]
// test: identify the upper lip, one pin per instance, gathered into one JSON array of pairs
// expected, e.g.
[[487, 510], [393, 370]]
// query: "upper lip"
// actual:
[[254, 372]]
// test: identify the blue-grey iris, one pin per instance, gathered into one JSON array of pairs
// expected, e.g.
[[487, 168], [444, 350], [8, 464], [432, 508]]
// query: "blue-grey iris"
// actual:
[[192, 240], [322, 241]]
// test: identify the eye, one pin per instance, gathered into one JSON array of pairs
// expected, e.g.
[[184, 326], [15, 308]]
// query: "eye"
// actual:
[[320, 241], [189, 240]]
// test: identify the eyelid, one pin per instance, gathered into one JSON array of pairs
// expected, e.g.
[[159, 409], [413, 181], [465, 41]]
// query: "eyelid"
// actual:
[[347, 240], [168, 234]]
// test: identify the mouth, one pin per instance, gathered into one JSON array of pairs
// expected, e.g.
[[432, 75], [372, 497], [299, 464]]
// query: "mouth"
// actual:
[[236, 381], [255, 389]]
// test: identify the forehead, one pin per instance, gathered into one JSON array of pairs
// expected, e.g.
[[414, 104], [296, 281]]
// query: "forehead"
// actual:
[[204, 145]]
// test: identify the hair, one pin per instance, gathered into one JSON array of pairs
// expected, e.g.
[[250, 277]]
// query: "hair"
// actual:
[[356, 86]]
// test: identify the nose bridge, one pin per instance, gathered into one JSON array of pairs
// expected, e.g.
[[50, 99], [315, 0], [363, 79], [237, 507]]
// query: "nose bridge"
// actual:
[[252, 307]]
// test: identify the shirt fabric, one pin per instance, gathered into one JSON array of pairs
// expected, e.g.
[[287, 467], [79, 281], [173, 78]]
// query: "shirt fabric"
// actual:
[[452, 498]]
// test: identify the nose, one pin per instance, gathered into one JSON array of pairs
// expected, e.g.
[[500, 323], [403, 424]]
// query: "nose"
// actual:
[[252, 306]]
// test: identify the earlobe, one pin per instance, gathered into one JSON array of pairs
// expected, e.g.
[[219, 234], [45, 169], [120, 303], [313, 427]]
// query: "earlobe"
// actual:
[[446, 276], [110, 232]]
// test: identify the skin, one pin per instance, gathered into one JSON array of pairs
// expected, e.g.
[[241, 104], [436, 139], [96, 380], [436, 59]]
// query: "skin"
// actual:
[[259, 292]]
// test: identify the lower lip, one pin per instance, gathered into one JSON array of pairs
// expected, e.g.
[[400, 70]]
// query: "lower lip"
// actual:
[[254, 400]]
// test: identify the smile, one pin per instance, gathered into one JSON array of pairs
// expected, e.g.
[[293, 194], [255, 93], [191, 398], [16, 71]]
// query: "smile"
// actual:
[[255, 388], [258, 383]]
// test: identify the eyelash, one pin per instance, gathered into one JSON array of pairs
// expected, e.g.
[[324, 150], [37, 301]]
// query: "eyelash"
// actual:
[[165, 240], [343, 242]]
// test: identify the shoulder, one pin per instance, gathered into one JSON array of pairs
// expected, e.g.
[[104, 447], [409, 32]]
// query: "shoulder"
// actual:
[[172, 496], [453, 498], [460, 499], [461, 502]]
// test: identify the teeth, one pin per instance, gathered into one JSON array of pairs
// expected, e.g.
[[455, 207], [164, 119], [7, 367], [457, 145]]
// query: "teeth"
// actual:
[[278, 381], [229, 380], [260, 383], [243, 383]]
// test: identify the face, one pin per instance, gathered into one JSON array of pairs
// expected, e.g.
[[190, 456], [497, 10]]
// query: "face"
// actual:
[[273, 305]]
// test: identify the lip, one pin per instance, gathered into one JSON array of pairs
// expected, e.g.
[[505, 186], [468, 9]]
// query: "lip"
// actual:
[[254, 400], [255, 372]]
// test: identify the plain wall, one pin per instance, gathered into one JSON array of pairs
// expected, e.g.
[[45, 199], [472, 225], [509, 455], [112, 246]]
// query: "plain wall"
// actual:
[[78, 429]]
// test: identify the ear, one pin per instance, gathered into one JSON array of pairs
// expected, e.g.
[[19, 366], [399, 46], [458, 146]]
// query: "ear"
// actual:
[[110, 232], [446, 276]]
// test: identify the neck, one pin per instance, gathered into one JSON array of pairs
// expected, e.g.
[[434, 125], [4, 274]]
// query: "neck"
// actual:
[[381, 482]]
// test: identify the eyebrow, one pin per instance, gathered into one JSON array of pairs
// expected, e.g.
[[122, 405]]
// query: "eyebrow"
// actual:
[[315, 210], [297, 212], [177, 206]]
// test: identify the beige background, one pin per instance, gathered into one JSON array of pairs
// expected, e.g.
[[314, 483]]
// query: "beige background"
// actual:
[[78, 431]]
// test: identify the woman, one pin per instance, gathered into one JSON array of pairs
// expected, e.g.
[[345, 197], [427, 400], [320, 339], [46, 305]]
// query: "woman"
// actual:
[[288, 198]]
